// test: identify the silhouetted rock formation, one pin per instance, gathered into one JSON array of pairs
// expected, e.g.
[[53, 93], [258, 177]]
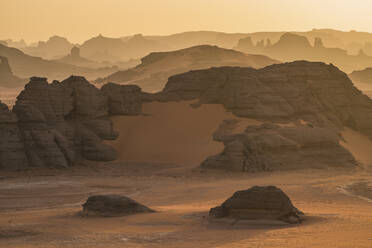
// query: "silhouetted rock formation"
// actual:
[[292, 47], [102, 48], [75, 59], [112, 206], [363, 77], [259, 203], [7, 79], [55, 47], [25, 66], [156, 68], [75, 52], [318, 43]]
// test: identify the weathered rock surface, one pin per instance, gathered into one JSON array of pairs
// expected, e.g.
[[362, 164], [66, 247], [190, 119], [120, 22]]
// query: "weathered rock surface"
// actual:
[[12, 150], [113, 205], [57, 125], [123, 99], [317, 93], [269, 147], [256, 203]]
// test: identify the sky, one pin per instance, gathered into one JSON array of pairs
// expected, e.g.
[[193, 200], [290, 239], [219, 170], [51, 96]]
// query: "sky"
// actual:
[[79, 20]]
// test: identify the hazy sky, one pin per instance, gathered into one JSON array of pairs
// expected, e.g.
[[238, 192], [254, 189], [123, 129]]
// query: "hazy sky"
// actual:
[[81, 19]]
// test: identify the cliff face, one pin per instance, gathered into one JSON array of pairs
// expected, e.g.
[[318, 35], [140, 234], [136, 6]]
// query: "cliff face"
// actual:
[[316, 99], [314, 92], [56, 125], [304, 105]]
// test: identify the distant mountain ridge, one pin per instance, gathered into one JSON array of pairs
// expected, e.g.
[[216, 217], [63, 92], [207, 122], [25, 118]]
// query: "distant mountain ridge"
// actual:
[[155, 69], [26, 66], [292, 47]]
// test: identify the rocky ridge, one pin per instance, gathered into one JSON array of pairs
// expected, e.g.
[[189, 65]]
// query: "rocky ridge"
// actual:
[[59, 124]]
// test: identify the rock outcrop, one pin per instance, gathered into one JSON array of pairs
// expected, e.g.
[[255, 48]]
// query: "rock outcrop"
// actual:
[[259, 203], [112, 206], [317, 93], [270, 147], [12, 150], [123, 99], [291, 47], [319, 96], [7, 79], [58, 124]]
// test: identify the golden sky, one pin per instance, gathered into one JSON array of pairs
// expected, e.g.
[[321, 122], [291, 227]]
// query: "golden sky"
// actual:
[[79, 20]]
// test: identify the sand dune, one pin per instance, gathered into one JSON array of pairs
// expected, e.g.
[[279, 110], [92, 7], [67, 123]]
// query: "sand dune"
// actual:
[[359, 145], [172, 133]]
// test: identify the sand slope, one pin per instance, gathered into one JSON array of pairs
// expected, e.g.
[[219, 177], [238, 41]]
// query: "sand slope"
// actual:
[[172, 132]]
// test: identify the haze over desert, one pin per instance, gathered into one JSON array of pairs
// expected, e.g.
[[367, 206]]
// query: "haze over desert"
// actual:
[[185, 124]]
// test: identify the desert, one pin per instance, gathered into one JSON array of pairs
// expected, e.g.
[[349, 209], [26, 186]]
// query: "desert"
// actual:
[[178, 124]]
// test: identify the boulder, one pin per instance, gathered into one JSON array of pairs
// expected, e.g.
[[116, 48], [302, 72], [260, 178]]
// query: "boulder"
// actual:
[[113, 206], [259, 203]]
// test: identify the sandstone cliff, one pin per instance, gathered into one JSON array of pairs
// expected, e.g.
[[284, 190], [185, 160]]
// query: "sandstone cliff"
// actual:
[[303, 106], [57, 125]]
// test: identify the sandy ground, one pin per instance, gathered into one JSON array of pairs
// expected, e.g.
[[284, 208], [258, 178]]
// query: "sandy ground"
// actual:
[[172, 133], [9, 95], [39, 208]]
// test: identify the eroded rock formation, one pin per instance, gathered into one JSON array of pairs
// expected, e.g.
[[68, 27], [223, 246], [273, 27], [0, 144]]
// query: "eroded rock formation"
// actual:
[[112, 206], [270, 147], [256, 203], [317, 94], [58, 124]]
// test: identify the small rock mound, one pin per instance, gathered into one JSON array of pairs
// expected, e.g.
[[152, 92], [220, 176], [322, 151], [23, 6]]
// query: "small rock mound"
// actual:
[[112, 205], [259, 203]]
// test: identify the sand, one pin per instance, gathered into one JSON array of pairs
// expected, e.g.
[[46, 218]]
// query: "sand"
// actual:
[[172, 133], [40, 208]]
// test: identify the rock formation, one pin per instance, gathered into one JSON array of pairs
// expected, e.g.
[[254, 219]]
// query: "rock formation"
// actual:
[[7, 79], [270, 147], [291, 47], [58, 124], [314, 92], [319, 95], [155, 69], [112, 206], [26, 66], [259, 203], [12, 150], [123, 99], [362, 77]]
